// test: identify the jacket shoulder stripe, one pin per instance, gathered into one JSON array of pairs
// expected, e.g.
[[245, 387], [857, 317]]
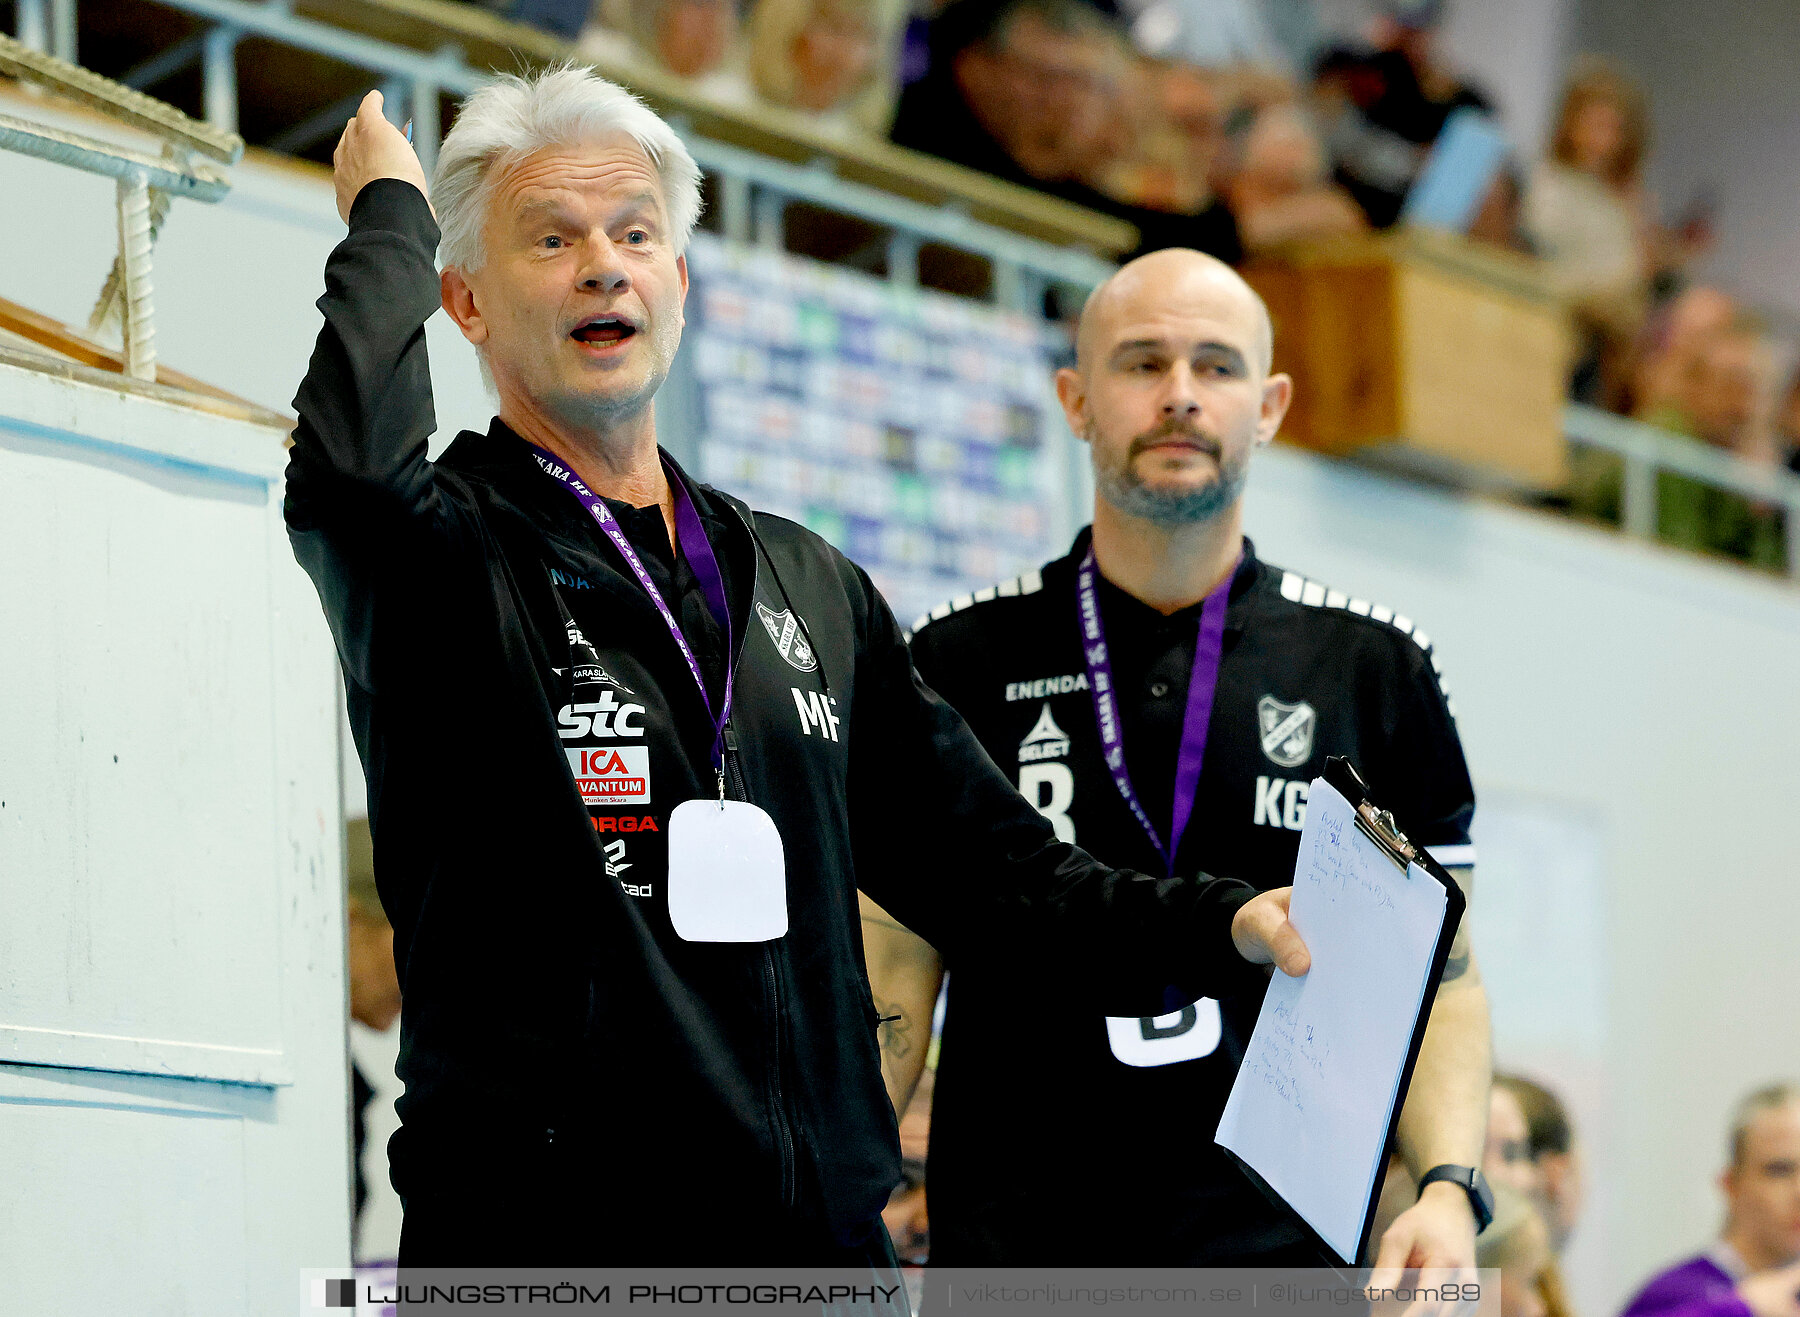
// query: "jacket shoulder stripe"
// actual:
[[1297, 589], [1026, 583]]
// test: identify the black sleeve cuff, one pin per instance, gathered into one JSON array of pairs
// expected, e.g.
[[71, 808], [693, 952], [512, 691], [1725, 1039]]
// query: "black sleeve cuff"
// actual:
[[397, 206]]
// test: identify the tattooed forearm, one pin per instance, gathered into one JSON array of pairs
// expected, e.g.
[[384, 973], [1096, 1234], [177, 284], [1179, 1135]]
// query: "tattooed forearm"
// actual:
[[896, 1030]]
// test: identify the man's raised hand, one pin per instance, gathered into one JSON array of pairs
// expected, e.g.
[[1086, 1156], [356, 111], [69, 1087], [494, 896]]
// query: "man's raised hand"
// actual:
[[372, 148], [1264, 936]]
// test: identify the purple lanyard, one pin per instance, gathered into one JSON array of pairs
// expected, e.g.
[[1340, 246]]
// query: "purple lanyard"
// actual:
[[1209, 645], [705, 564]]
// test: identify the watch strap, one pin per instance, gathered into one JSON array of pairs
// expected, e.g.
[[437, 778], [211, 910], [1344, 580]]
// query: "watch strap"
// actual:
[[1472, 1182]]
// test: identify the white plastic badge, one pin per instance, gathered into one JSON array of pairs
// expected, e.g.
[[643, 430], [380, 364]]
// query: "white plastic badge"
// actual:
[[727, 873], [1184, 1035]]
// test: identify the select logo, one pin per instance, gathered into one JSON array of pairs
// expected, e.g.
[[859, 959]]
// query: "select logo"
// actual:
[[609, 776]]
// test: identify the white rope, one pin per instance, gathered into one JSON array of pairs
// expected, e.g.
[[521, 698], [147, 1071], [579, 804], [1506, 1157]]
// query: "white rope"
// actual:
[[134, 254]]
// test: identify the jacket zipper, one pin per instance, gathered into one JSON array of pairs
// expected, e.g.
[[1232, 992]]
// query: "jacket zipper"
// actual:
[[735, 788], [784, 1133]]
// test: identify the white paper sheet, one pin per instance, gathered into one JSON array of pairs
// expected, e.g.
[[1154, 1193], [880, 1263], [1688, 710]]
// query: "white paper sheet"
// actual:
[[1312, 1102]]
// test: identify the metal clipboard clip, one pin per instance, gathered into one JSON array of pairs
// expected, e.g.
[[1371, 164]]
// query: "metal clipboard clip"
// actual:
[[1376, 824]]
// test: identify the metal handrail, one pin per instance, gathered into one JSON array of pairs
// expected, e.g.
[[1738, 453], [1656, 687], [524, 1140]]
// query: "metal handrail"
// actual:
[[1647, 450], [145, 183]]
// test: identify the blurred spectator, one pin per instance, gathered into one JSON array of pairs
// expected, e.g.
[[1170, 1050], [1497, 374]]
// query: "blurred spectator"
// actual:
[[1582, 216], [1544, 1162], [696, 39], [1517, 1243], [1280, 191], [1174, 139], [837, 59], [1754, 1268], [1384, 108], [1507, 1157], [374, 984], [1030, 91], [1708, 381], [1024, 90], [1673, 340]]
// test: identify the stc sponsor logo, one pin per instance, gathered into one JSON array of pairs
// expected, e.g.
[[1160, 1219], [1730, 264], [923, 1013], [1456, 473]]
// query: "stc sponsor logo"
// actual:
[[816, 712], [608, 776], [1281, 803], [604, 717], [1044, 741], [1037, 690], [628, 823]]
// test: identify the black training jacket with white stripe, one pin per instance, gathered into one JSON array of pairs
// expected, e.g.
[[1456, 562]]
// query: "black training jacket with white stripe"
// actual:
[[582, 1085]]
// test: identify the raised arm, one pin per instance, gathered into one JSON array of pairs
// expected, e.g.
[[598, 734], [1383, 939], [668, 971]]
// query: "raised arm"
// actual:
[[365, 404], [994, 877], [362, 503]]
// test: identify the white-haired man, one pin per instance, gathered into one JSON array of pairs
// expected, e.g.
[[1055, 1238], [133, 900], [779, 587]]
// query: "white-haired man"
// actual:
[[631, 748], [1167, 699]]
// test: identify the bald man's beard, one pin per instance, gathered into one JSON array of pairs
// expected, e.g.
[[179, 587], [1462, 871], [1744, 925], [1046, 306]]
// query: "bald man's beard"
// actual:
[[1172, 509]]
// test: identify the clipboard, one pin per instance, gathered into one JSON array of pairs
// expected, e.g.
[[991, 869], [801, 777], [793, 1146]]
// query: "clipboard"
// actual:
[[1381, 828]]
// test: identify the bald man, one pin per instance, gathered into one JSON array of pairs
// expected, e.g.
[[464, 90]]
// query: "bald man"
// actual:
[[1060, 1136]]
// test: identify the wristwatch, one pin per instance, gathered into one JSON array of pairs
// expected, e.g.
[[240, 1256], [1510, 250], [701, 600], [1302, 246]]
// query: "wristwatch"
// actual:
[[1472, 1182]]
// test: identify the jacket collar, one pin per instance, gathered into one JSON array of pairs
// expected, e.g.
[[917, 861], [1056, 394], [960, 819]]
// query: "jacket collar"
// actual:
[[501, 458], [1237, 612]]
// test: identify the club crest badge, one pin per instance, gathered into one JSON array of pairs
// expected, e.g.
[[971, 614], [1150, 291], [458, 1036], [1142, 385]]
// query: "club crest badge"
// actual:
[[1286, 730], [790, 641]]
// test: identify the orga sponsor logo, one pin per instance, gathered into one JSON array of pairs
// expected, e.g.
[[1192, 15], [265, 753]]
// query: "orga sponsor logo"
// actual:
[[612, 776], [626, 823], [604, 717]]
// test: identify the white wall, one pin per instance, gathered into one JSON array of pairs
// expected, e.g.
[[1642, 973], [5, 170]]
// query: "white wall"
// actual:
[[1726, 114], [1636, 708], [1514, 52], [173, 1085]]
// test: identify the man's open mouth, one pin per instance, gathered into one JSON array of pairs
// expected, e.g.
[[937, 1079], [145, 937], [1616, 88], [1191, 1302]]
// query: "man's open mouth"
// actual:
[[603, 329]]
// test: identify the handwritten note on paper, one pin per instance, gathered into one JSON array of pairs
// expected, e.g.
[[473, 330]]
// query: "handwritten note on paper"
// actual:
[[1313, 1099]]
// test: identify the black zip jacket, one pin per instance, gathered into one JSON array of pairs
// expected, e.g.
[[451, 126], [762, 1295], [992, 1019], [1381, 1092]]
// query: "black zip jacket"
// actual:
[[569, 1061]]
